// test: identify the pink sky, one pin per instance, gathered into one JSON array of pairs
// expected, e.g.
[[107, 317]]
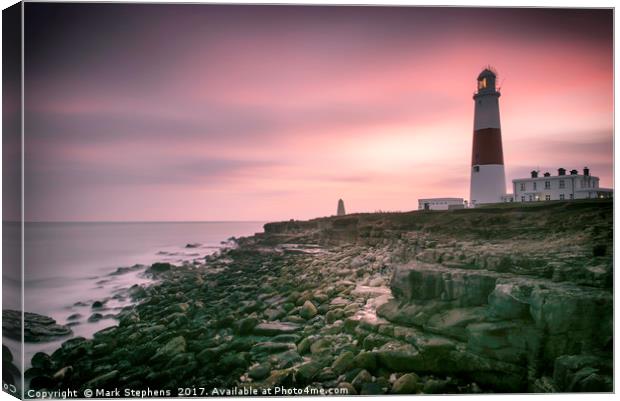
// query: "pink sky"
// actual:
[[185, 112]]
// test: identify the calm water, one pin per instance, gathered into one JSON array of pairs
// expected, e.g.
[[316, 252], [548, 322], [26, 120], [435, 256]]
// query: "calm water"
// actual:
[[68, 265]]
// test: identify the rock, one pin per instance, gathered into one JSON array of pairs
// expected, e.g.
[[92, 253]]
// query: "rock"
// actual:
[[285, 359], [95, 317], [272, 347], [333, 315], [348, 388], [286, 338], [572, 373], [283, 377], [7, 356], [343, 363], [63, 373], [423, 282], [374, 340], [453, 322], [304, 346], [260, 371], [97, 305], [41, 382], [361, 378], [400, 357], [320, 346], [74, 316], [371, 389], [275, 328], [306, 372], [365, 360], [406, 384], [510, 300], [157, 268], [42, 361], [37, 328], [433, 386], [193, 245], [246, 326], [308, 310], [173, 347], [233, 360], [326, 374], [102, 380]]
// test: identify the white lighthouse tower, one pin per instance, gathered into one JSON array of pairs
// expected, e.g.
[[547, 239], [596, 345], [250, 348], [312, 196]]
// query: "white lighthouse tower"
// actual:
[[488, 179]]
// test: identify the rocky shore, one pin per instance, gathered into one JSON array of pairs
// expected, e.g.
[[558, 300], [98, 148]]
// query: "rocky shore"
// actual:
[[499, 299]]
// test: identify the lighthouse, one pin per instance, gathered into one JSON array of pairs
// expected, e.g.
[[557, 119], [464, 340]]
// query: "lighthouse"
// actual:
[[488, 179], [340, 211]]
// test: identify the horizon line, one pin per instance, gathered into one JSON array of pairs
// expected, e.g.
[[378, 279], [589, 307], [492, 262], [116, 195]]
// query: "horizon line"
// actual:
[[130, 221]]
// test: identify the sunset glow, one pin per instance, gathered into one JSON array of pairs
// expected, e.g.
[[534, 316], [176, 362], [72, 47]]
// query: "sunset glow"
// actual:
[[196, 112]]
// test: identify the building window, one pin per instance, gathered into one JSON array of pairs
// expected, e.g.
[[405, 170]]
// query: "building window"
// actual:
[[534, 186], [522, 186], [561, 184], [547, 197], [523, 199], [482, 84], [561, 196], [570, 196], [530, 198], [547, 184]]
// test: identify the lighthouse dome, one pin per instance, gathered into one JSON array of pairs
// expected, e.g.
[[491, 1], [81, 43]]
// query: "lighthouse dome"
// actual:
[[487, 73]]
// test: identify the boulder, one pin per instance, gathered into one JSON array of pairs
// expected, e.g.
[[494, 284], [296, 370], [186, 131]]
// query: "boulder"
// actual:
[[260, 371], [306, 372], [320, 346], [362, 377], [422, 282], [582, 373], [173, 347], [308, 310], [158, 268], [406, 384], [37, 328], [510, 300], [275, 328], [343, 362]]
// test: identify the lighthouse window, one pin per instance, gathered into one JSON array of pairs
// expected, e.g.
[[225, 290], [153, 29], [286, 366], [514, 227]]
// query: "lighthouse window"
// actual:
[[476, 169], [482, 83]]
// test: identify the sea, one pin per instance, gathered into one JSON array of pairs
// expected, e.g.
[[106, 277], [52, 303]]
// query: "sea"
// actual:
[[69, 266]]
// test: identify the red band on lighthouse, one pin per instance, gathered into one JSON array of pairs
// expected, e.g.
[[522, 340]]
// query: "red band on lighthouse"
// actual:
[[487, 147]]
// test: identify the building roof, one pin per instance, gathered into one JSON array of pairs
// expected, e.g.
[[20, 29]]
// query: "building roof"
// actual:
[[440, 199]]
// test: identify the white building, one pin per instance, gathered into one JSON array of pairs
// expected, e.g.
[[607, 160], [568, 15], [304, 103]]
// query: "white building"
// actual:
[[440, 204], [558, 187]]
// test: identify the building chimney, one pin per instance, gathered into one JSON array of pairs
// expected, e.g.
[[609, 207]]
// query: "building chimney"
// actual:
[[574, 172], [534, 174], [561, 171], [586, 171]]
